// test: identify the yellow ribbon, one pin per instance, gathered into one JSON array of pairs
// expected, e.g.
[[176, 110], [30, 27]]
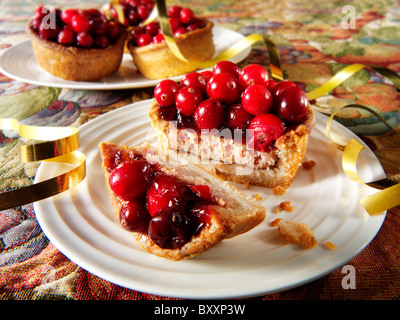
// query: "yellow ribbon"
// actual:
[[61, 150], [375, 203]]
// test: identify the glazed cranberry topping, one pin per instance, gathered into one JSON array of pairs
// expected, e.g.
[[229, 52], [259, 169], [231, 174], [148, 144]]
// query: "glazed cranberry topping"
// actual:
[[238, 99], [181, 20], [74, 27], [169, 211], [130, 173]]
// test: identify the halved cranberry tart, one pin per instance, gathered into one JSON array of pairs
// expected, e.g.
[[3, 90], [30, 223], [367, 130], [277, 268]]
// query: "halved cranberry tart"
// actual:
[[151, 54], [238, 123], [173, 210], [77, 45]]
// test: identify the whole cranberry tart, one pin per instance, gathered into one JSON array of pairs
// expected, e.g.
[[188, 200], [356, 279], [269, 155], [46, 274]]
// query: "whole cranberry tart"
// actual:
[[151, 54], [77, 45], [238, 123], [173, 210]]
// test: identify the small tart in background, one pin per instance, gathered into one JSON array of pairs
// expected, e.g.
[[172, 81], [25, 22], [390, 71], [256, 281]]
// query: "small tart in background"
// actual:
[[75, 63], [156, 60]]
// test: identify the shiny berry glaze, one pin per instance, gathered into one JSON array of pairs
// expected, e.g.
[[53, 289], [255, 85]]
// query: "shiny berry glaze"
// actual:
[[181, 20], [244, 100], [168, 210], [75, 27]]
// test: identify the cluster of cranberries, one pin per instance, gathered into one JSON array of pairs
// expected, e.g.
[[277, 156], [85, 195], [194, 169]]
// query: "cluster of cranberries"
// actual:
[[169, 211], [181, 20], [234, 98], [135, 11], [75, 27]]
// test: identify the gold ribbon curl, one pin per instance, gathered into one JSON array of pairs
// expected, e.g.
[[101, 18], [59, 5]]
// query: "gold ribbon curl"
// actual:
[[389, 197], [61, 150]]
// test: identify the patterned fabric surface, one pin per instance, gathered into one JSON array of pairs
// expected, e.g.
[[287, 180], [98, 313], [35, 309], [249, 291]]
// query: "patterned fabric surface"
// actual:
[[313, 43]]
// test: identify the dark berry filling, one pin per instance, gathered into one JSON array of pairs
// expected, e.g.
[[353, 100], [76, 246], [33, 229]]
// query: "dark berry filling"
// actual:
[[236, 99], [181, 20], [75, 27], [168, 210]]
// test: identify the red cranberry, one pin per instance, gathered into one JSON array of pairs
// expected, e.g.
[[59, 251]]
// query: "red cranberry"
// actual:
[[223, 87], [66, 15], [84, 39], [265, 129], [194, 80], [36, 23], [113, 30], [237, 117], [158, 38], [227, 67], [292, 104], [174, 11], [164, 191], [152, 28], [144, 39], [165, 92], [280, 86], [98, 26], [135, 33], [207, 74], [80, 23], [169, 228], [180, 31], [271, 83], [187, 16], [187, 99], [253, 74], [209, 114], [175, 23], [40, 12], [101, 41], [134, 216], [129, 180], [143, 11], [66, 37], [133, 16], [257, 99], [48, 33]]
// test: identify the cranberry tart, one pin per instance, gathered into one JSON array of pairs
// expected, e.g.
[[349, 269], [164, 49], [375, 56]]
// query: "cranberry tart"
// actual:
[[77, 45], [151, 54], [238, 123], [173, 210]]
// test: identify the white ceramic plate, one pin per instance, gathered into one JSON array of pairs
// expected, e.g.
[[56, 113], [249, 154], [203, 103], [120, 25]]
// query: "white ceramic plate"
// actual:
[[81, 224], [19, 63]]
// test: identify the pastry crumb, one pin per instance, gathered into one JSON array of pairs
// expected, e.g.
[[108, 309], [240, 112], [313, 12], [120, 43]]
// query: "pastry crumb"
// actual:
[[284, 205], [275, 222], [258, 197], [309, 164], [297, 232], [329, 245], [278, 190]]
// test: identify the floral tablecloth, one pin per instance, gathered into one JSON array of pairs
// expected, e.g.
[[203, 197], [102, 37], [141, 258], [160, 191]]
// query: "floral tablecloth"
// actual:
[[315, 39]]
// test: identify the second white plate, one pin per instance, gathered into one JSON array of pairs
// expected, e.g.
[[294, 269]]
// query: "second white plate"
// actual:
[[81, 223], [19, 63]]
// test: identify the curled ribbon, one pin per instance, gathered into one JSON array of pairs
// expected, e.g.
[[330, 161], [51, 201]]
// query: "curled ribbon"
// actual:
[[61, 150], [389, 197]]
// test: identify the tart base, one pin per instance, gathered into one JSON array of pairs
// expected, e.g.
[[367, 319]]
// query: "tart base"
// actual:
[[77, 64]]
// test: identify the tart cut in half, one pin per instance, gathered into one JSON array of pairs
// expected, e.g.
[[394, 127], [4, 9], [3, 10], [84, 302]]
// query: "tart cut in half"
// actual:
[[173, 210], [235, 122]]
